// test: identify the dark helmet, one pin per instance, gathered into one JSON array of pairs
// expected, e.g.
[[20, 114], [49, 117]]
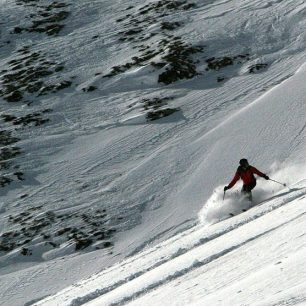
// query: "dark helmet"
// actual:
[[244, 162]]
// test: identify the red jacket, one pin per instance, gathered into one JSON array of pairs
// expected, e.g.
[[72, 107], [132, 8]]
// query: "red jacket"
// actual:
[[247, 175]]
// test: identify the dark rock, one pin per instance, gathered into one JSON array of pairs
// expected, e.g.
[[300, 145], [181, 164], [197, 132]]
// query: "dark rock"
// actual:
[[63, 231], [189, 6], [18, 30], [170, 25], [6, 138], [222, 62], [155, 115], [99, 235], [34, 118], [7, 234], [43, 226], [257, 67], [220, 79], [63, 85], [107, 244], [25, 242], [181, 65], [216, 64], [9, 153], [17, 67], [132, 32], [26, 252], [155, 103], [35, 87], [19, 175], [46, 236], [82, 244], [90, 88], [59, 68], [4, 248], [158, 65], [15, 96]]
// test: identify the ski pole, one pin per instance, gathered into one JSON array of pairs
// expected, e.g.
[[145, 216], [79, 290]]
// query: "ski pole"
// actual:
[[278, 182], [223, 195]]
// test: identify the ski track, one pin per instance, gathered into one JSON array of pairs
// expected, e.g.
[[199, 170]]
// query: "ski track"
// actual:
[[171, 278], [155, 254], [197, 264]]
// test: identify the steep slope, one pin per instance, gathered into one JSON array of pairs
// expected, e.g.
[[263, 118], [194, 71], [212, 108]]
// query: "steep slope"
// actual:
[[255, 258], [91, 170]]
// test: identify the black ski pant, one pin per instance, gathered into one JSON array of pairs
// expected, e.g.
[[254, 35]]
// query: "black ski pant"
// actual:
[[247, 189]]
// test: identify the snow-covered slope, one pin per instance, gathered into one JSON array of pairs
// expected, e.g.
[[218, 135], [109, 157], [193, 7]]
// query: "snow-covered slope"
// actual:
[[255, 258], [92, 180]]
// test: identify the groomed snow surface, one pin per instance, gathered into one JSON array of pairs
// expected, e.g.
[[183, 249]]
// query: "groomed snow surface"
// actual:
[[161, 182]]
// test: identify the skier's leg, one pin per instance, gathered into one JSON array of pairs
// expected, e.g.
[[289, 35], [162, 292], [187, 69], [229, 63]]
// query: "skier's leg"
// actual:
[[250, 197], [252, 185], [246, 192], [250, 188]]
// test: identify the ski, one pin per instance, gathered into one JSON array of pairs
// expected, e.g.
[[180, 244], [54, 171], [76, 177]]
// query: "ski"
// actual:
[[232, 214]]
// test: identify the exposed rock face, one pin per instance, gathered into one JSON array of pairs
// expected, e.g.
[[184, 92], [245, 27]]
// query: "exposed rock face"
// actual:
[[33, 223]]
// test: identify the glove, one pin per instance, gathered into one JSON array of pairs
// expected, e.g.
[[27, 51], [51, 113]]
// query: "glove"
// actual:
[[266, 177], [226, 188]]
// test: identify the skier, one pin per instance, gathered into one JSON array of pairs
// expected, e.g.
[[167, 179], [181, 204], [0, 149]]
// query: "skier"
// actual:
[[246, 173]]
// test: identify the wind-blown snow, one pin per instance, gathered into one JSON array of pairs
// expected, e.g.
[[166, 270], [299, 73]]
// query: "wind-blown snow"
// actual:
[[161, 182]]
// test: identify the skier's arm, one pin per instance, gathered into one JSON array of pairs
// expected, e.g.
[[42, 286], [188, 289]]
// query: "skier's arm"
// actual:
[[234, 180], [256, 171]]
